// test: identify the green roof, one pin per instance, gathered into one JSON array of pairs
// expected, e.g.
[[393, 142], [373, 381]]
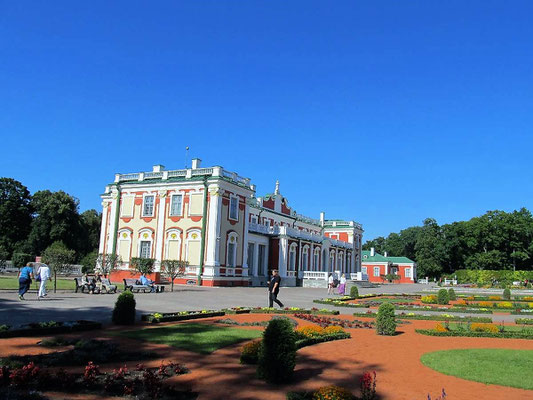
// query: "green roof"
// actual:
[[379, 258]]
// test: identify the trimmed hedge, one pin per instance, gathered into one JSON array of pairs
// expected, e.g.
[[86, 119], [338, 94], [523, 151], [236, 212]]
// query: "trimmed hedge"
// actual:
[[486, 277], [506, 294], [501, 335], [430, 317], [124, 311], [524, 321], [320, 339], [451, 294], [442, 297], [354, 292], [385, 320], [277, 356]]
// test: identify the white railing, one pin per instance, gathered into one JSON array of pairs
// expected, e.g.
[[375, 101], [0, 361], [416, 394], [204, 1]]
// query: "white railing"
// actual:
[[341, 224], [450, 281], [184, 173], [230, 271], [423, 280], [291, 274], [358, 276], [316, 275], [191, 270], [265, 229], [307, 220]]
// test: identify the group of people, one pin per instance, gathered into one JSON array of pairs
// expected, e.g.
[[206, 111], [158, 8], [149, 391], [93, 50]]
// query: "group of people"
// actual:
[[96, 283], [38, 271], [341, 285]]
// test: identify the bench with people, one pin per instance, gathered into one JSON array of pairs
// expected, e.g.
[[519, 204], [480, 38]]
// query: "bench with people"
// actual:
[[94, 284], [142, 283]]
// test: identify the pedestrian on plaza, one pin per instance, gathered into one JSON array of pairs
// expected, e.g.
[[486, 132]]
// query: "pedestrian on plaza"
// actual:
[[330, 284], [273, 289], [44, 275], [25, 277], [342, 285]]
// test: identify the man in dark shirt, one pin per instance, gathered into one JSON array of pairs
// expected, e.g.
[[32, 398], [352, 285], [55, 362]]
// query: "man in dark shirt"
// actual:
[[273, 289]]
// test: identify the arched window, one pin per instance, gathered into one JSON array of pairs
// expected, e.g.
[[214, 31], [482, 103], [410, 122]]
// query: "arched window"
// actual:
[[173, 245], [340, 259], [192, 247], [292, 257], [145, 243], [324, 260], [305, 258], [231, 250], [316, 260], [332, 260], [348, 262], [124, 244]]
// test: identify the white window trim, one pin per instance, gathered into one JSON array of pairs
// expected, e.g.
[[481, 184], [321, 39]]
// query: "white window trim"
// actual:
[[364, 271], [169, 239], [148, 239], [378, 269], [121, 238], [316, 257], [253, 219], [236, 198], [153, 209], [305, 257], [181, 208], [407, 272], [292, 249], [236, 242]]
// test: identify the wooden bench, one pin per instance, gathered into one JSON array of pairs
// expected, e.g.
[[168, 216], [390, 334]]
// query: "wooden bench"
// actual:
[[108, 286], [81, 286], [131, 285]]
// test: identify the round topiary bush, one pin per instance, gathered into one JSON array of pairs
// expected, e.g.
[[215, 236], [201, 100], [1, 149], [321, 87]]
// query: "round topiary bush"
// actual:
[[451, 295], [386, 321], [354, 292], [507, 294], [442, 297], [277, 355], [124, 311]]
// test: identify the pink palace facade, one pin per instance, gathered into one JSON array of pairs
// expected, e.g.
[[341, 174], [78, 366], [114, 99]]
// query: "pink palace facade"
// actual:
[[212, 218]]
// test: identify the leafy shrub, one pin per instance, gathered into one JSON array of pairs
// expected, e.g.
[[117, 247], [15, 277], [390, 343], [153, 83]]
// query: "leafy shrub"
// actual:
[[489, 328], [442, 297], [368, 386], [354, 292], [431, 299], [507, 294], [451, 294], [277, 355], [332, 392], [124, 311], [19, 260], [250, 352], [386, 321]]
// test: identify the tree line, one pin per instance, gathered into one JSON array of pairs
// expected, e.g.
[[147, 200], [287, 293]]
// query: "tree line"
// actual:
[[496, 240], [32, 224]]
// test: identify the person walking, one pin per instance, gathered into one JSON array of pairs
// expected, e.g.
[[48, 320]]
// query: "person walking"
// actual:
[[44, 275], [342, 285], [273, 289], [25, 277], [330, 284]]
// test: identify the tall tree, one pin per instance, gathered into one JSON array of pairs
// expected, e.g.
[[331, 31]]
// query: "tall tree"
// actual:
[[15, 213], [429, 249], [90, 231], [56, 219], [59, 258]]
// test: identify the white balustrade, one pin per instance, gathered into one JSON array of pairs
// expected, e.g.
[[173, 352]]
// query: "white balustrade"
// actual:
[[315, 275]]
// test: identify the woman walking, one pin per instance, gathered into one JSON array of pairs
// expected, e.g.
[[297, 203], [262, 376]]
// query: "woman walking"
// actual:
[[25, 277]]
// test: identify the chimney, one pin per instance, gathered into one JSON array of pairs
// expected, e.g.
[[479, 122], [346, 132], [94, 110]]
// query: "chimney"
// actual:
[[322, 218], [158, 168], [196, 163], [384, 254], [372, 252]]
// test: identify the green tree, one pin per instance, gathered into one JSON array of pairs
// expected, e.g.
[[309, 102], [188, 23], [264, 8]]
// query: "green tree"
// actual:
[[21, 259], [89, 238], [173, 269], [56, 219], [144, 266], [15, 213], [88, 262], [4, 256], [429, 251], [59, 258], [378, 244], [107, 263]]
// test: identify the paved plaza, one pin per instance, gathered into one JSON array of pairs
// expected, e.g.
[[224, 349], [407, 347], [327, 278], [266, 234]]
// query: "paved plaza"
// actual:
[[67, 306]]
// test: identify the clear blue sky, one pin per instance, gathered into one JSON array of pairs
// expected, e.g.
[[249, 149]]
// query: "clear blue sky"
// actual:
[[386, 112]]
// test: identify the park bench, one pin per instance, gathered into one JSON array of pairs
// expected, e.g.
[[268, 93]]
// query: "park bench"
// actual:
[[108, 286], [81, 286], [131, 285]]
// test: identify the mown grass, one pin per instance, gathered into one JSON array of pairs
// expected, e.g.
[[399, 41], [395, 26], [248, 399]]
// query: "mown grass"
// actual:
[[198, 338], [12, 282], [503, 367]]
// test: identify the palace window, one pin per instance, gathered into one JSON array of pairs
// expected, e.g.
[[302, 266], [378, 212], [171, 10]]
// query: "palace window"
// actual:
[[232, 250], [148, 206], [175, 204], [316, 261], [305, 256], [251, 257], [408, 272], [376, 271], [145, 248], [234, 208], [292, 258]]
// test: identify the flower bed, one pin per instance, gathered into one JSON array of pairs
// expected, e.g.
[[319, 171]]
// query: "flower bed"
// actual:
[[427, 317], [293, 310], [524, 321], [180, 316], [137, 382], [48, 328], [522, 311], [478, 330], [236, 310], [446, 309], [324, 322]]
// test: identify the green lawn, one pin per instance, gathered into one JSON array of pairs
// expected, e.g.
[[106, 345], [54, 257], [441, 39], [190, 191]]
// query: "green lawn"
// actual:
[[492, 366], [199, 338], [12, 282]]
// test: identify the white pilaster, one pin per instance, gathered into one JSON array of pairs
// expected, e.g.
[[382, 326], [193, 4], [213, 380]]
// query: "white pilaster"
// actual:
[[112, 221], [160, 234], [283, 255], [245, 240], [213, 229], [103, 226]]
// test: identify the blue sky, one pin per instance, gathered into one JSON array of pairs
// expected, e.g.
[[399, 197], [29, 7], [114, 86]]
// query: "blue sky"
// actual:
[[385, 112]]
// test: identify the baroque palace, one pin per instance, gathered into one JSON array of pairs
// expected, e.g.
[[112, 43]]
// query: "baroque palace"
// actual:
[[212, 218]]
